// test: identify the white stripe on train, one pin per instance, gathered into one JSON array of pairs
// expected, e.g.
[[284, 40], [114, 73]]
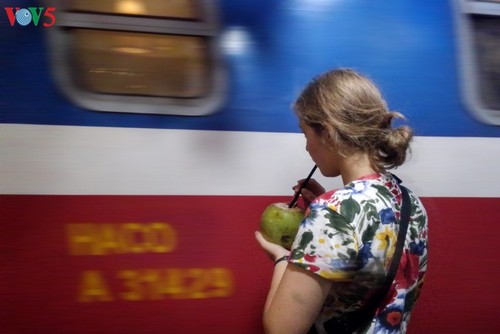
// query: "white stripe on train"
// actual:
[[42, 159]]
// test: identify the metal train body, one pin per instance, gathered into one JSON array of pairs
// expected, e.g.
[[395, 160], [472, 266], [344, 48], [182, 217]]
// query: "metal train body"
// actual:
[[137, 221]]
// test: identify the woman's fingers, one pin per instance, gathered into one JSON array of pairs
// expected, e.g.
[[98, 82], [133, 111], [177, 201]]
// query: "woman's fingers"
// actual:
[[308, 196], [315, 187], [312, 190], [274, 251]]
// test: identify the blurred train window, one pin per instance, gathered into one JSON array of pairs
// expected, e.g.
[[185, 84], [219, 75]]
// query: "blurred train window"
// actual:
[[113, 62], [149, 56], [487, 36], [181, 9], [479, 29]]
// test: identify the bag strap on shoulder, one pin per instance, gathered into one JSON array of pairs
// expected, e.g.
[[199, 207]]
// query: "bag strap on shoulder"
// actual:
[[403, 229]]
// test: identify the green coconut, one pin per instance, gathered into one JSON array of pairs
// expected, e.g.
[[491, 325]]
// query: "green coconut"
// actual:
[[279, 223]]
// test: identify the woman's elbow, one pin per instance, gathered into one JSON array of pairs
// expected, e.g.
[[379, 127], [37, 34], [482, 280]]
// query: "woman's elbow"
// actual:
[[267, 324], [273, 325]]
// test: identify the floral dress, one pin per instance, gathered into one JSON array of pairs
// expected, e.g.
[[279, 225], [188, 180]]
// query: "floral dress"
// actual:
[[348, 236]]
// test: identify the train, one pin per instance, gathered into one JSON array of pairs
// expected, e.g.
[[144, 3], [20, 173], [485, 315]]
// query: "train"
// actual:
[[140, 141]]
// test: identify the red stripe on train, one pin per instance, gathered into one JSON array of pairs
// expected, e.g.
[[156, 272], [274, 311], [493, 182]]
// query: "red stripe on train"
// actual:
[[184, 264]]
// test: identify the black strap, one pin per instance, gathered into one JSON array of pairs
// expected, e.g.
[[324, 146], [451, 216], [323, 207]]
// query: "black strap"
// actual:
[[403, 228], [363, 318], [404, 220]]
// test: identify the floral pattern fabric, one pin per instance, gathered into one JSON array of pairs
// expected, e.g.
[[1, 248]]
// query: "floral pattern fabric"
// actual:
[[349, 236]]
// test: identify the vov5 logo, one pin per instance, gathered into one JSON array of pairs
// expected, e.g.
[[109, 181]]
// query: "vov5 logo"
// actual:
[[24, 16]]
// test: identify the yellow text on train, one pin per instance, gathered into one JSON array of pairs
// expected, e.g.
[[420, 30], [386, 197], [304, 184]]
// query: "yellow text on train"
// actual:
[[126, 238]]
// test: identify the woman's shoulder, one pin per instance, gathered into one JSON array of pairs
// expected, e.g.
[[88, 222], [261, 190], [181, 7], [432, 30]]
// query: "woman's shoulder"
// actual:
[[365, 186]]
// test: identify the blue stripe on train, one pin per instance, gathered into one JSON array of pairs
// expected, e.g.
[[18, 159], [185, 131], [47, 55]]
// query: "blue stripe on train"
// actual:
[[407, 48]]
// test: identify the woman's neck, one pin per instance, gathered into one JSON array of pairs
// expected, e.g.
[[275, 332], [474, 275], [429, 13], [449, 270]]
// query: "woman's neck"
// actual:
[[356, 166]]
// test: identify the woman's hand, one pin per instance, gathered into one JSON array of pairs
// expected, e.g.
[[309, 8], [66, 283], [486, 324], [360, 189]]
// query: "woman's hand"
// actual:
[[312, 190], [274, 251]]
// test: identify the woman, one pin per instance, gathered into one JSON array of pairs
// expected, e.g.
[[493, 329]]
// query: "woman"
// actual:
[[346, 241]]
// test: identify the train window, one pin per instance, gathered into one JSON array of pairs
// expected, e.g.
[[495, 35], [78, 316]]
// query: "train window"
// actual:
[[479, 28], [112, 62], [138, 56], [180, 9]]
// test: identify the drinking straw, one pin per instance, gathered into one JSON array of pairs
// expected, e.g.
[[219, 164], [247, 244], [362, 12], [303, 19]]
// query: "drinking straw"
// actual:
[[297, 194]]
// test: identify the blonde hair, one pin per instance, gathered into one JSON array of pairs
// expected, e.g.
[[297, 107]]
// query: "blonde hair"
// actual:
[[348, 110]]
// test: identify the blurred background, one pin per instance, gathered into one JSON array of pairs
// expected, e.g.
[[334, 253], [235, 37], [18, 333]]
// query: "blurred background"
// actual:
[[140, 140]]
